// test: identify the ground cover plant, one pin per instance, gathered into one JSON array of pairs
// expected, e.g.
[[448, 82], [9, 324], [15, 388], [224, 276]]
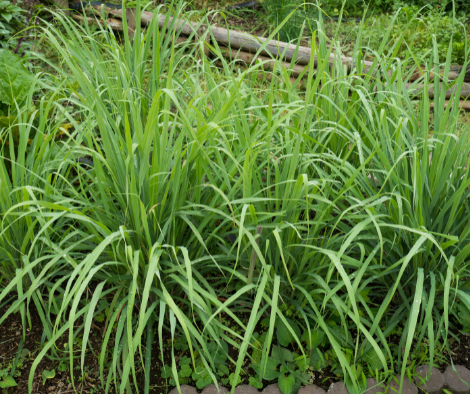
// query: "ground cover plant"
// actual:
[[256, 231]]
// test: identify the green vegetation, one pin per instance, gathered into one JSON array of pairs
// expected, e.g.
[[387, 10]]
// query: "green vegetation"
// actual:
[[17, 18], [11, 21], [256, 231], [421, 20]]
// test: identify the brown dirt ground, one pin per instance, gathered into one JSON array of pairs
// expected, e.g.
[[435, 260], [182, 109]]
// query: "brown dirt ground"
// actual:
[[10, 334]]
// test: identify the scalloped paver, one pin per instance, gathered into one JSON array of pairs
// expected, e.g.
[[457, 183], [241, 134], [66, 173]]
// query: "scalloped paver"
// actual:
[[272, 389], [373, 387], [408, 387], [185, 389], [338, 388], [211, 389], [311, 389], [453, 379], [245, 389], [436, 382]]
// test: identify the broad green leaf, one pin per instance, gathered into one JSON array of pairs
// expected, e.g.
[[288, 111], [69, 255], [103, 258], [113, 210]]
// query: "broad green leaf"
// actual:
[[286, 383], [15, 79], [203, 382], [166, 372], [302, 362], [7, 381], [185, 360], [373, 360], [223, 370], [185, 371], [284, 336], [282, 354], [232, 381], [253, 381], [313, 340], [219, 353], [271, 371], [200, 373], [317, 361]]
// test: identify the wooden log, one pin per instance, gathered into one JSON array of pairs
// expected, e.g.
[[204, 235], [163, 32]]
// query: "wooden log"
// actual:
[[112, 23], [247, 42], [147, 19], [268, 75], [454, 73], [63, 5], [187, 28], [131, 21], [115, 25], [464, 105], [251, 44], [267, 62], [418, 91]]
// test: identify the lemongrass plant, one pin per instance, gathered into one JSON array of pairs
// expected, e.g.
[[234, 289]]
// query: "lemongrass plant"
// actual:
[[33, 179], [207, 191]]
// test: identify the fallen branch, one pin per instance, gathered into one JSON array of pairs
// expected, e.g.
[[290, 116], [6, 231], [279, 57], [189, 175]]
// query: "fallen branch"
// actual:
[[242, 46], [112, 23], [464, 93], [454, 73], [267, 62], [465, 105], [243, 41]]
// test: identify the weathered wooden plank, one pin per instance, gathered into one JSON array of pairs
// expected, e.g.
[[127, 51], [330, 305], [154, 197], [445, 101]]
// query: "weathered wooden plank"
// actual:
[[454, 73], [113, 23], [249, 43], [267, 62], [418, 90], [242, 46], [465, 105], [131, 21]]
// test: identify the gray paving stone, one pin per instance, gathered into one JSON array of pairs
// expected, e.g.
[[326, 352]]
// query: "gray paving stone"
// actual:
[[338, 388], [436, 382], [311, 389], [185, 389], [272, 389], [373, 387], [211, 389], [408, 387], [453, 379], [245, 389]]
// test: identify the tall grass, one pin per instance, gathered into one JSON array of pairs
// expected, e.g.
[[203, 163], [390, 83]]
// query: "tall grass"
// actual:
[[209, 193]]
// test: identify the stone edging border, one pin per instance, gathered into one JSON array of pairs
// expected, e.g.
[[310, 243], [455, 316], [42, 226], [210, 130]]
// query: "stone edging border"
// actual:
[[456, 380]]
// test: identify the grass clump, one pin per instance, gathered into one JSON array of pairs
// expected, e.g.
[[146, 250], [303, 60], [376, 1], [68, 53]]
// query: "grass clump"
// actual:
[[315, 229]]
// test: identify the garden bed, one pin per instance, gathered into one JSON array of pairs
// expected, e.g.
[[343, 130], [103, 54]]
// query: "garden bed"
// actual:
[[169, 217], [59, 380]]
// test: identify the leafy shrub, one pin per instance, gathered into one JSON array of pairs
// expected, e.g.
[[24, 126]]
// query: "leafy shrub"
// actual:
[[12, 20], [17, 17], [427, 20], [441, 5], [421, 30], [357, 7]]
